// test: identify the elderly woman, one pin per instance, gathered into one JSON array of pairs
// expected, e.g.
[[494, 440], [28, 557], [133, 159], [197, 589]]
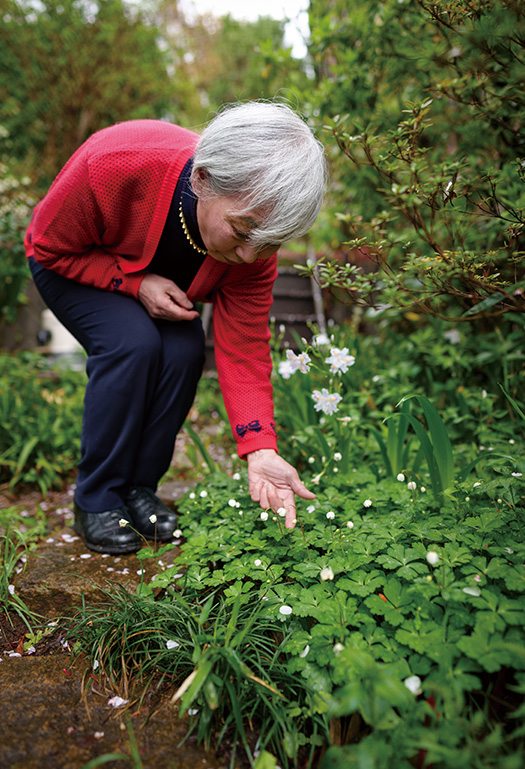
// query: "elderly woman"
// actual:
[[144, 220]]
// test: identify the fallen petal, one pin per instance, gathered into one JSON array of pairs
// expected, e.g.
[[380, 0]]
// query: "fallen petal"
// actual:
[[117, 702]]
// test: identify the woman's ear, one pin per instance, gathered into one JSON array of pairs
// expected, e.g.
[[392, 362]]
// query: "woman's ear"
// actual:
[[200, 181]]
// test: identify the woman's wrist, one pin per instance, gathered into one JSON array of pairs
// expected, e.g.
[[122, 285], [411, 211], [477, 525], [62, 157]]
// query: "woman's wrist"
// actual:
[[260, 454]]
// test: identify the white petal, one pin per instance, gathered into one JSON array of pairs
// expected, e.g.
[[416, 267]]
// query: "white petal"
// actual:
[[117, 702]]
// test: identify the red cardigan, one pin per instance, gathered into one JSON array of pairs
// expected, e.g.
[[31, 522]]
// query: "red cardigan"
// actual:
[[100, 224]]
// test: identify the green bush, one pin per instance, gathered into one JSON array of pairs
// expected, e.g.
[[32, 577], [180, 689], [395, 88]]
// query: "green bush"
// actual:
[[40, 421], [14, 271], [424, 102]]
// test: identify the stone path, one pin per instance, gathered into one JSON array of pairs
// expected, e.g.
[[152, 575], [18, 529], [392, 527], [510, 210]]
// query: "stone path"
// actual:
[[47, 722]]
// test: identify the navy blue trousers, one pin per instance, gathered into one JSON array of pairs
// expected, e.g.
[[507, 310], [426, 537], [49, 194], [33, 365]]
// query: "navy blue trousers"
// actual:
[[142, 379]]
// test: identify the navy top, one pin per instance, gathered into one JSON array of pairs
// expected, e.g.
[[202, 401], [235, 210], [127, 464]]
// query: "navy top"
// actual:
[[175, 257]]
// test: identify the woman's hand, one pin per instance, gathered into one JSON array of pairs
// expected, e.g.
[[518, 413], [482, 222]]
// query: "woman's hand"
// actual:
[[162, 298], [273, 483]]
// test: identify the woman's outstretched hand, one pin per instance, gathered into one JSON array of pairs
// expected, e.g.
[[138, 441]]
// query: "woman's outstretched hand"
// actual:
[[162, 298], [273, 482]]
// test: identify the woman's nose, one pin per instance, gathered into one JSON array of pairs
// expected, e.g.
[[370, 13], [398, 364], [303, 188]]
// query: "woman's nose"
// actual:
[[247, 253]]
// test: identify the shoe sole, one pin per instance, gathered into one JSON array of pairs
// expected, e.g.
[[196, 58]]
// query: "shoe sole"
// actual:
[[152, 537], [111, 550]]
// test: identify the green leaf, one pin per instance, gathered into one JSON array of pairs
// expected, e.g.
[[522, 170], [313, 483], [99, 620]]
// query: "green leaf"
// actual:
[[484, 305], [265, 760]]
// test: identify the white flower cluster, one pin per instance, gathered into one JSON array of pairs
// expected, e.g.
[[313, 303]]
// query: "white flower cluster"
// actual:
[[339, 360]]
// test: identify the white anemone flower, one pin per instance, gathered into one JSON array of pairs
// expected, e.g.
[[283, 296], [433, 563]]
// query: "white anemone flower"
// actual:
[[264, 516], [432, 558], [330, 515], [367, 503], [327, 573], [400, 477], [122, 522], [172, 644], [413, 684], [153, 518], [285, 610], [281, 511]]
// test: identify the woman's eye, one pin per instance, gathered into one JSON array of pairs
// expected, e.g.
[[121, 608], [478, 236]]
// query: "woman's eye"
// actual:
[[241, 235]]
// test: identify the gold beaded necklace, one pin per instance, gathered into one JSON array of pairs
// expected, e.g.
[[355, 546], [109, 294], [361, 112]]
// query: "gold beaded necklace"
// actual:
[[187, 232]]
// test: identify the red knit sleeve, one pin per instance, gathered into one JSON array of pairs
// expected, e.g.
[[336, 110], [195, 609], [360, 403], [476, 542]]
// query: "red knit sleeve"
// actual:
[[242, 353], [67, 229]]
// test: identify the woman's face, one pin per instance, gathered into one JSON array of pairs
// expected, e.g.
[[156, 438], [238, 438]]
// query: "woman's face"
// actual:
[[225, 233]]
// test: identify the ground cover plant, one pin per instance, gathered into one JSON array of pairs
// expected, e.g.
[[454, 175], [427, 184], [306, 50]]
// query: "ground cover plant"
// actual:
[[386, 629]]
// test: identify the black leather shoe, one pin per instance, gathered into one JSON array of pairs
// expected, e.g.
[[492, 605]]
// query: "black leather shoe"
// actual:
[[144, 506], [103, 533]]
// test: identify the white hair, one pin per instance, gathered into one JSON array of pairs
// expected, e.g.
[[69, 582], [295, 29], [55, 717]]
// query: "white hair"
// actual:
[[266, 156]]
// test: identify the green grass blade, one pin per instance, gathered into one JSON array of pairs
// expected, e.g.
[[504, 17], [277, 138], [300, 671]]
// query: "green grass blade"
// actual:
[[200, 445], [428, 450], [441, 447], [512, 402], [382, 447], [23, 457], [105, 759], [443, 453], [203, 670]]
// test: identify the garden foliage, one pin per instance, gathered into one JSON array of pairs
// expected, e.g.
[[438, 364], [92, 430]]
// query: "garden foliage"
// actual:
[[40, 421], [393, 614], [91, 65], [425, 104]]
